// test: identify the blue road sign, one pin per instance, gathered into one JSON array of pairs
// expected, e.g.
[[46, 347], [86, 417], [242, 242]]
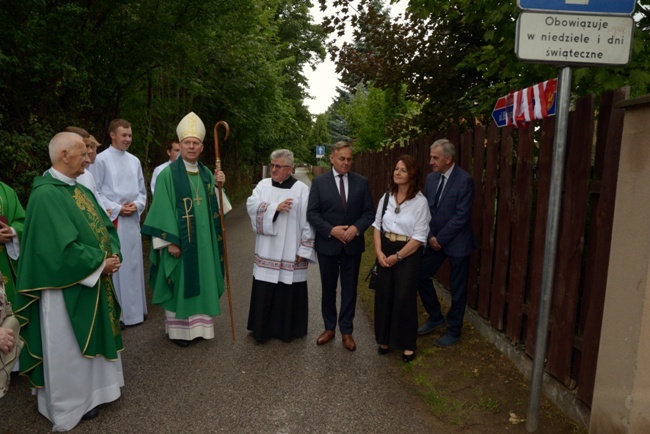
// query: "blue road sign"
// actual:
[[502, 109], [320, 150], [612, 7], [504, 106]]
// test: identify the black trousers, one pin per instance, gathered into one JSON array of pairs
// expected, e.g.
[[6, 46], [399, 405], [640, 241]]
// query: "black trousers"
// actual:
[[396, 312]]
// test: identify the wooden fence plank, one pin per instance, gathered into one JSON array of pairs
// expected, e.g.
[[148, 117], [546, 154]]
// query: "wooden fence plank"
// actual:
[[478, 162], [519, 246], [488, 214], [503, 226], [543, 186], [571, 240], [608, 149], [465, 147]]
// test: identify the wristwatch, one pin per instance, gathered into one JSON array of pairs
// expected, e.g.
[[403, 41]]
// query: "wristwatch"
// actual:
[[399, 257]]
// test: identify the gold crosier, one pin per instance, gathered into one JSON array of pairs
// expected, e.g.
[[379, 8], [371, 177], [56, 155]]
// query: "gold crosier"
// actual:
[[223, 226]]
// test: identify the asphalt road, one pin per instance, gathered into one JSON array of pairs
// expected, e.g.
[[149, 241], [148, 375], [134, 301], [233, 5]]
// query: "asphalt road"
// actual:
[[245, 387]]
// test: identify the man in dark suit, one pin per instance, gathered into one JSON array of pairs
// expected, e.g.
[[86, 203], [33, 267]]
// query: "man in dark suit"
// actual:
[[340, 210], [450, 192]]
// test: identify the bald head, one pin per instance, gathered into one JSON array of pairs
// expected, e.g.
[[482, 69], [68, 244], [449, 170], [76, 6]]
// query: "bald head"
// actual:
[[68, 154]]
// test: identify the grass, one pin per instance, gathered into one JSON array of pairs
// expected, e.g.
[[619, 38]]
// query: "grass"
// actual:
[[471, 386]]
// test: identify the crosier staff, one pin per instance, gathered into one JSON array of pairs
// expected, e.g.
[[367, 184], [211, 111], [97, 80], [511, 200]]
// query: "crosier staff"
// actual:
[[223, 226]]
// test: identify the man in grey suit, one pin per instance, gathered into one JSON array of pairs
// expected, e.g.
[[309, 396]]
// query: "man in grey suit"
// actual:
[[340, 209], [450, 192]]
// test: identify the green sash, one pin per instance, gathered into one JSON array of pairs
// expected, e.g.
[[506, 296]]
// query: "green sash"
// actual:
[[187, 220]]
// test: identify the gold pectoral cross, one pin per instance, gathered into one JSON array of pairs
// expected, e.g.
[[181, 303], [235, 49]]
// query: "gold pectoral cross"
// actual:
[[186, 201], [196, 197]]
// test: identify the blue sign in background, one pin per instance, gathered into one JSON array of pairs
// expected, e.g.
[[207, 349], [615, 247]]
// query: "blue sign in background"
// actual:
[[502, 111], [616, 7], [320, 150]]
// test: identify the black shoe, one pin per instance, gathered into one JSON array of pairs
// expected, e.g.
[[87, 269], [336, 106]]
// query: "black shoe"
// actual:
[[122, 325], [181, 342], [447, 341], [430, 326], [383, 351], [91, 414], [408, 358]]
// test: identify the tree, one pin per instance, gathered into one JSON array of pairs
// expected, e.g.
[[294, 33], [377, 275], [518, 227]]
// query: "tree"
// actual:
[[457, 57], [82, 63]]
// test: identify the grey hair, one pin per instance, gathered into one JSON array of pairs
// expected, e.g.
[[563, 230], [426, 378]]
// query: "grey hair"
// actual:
[[448, 148], [283, 153], [340, 145], [61, 141]]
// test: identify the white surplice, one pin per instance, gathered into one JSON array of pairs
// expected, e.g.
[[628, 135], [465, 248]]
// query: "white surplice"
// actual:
[[279, 239], [156, 172], [119, 180], [88, 180]]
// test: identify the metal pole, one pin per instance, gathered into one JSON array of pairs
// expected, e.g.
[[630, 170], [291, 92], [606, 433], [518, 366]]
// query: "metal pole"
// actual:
[[548, 271]]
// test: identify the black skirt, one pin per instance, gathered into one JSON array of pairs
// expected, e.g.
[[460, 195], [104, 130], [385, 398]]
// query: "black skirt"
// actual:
[[278, 310]]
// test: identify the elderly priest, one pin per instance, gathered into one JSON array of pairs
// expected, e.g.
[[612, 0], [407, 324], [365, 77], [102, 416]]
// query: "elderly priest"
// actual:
[[65, 300]]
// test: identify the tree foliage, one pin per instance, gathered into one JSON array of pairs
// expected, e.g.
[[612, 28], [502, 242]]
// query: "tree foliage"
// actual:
[[151, 62]]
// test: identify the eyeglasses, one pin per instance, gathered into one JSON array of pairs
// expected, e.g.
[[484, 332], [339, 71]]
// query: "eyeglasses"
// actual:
[[278, 166]]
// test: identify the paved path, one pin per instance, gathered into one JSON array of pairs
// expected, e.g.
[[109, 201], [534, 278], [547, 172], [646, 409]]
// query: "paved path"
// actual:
[[245, 387]]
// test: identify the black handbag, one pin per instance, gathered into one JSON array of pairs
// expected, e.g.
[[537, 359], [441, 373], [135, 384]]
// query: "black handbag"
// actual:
[[373, 275]]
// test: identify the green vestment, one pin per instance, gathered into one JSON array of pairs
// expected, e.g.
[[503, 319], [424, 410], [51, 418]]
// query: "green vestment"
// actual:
[[192, 284], [11, 208], [67, 237]]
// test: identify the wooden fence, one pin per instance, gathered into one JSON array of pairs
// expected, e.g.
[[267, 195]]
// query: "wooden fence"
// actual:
[[511, 170]]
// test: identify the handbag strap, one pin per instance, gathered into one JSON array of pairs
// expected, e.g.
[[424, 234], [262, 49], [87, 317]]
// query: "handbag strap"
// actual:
[[383, 211]]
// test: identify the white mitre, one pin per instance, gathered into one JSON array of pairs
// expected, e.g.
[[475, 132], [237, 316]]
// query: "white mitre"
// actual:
[[190, 126]]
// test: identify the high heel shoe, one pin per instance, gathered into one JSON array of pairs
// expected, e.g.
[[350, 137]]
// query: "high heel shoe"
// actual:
[[408, 358], [383, 351]]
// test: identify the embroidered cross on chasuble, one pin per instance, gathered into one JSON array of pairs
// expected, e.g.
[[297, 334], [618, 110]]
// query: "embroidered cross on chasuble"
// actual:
[[187, 202]]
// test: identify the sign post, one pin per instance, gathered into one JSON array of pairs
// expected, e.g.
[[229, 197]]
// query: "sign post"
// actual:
[[550, 251], [566, 32]]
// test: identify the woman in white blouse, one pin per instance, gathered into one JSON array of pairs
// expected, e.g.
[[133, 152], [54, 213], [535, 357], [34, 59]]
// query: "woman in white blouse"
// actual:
[[399, 239]]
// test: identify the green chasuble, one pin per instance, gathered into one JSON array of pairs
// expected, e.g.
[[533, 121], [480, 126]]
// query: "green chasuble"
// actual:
[[67, 237], [184, 212], [10, 208]]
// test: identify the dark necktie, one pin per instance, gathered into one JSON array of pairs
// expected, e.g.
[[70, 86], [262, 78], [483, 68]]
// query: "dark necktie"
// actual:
[[342, 190], [441, 185]]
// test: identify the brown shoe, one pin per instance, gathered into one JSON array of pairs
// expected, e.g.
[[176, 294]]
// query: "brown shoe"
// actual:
[[348, 343], [325, 337]]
